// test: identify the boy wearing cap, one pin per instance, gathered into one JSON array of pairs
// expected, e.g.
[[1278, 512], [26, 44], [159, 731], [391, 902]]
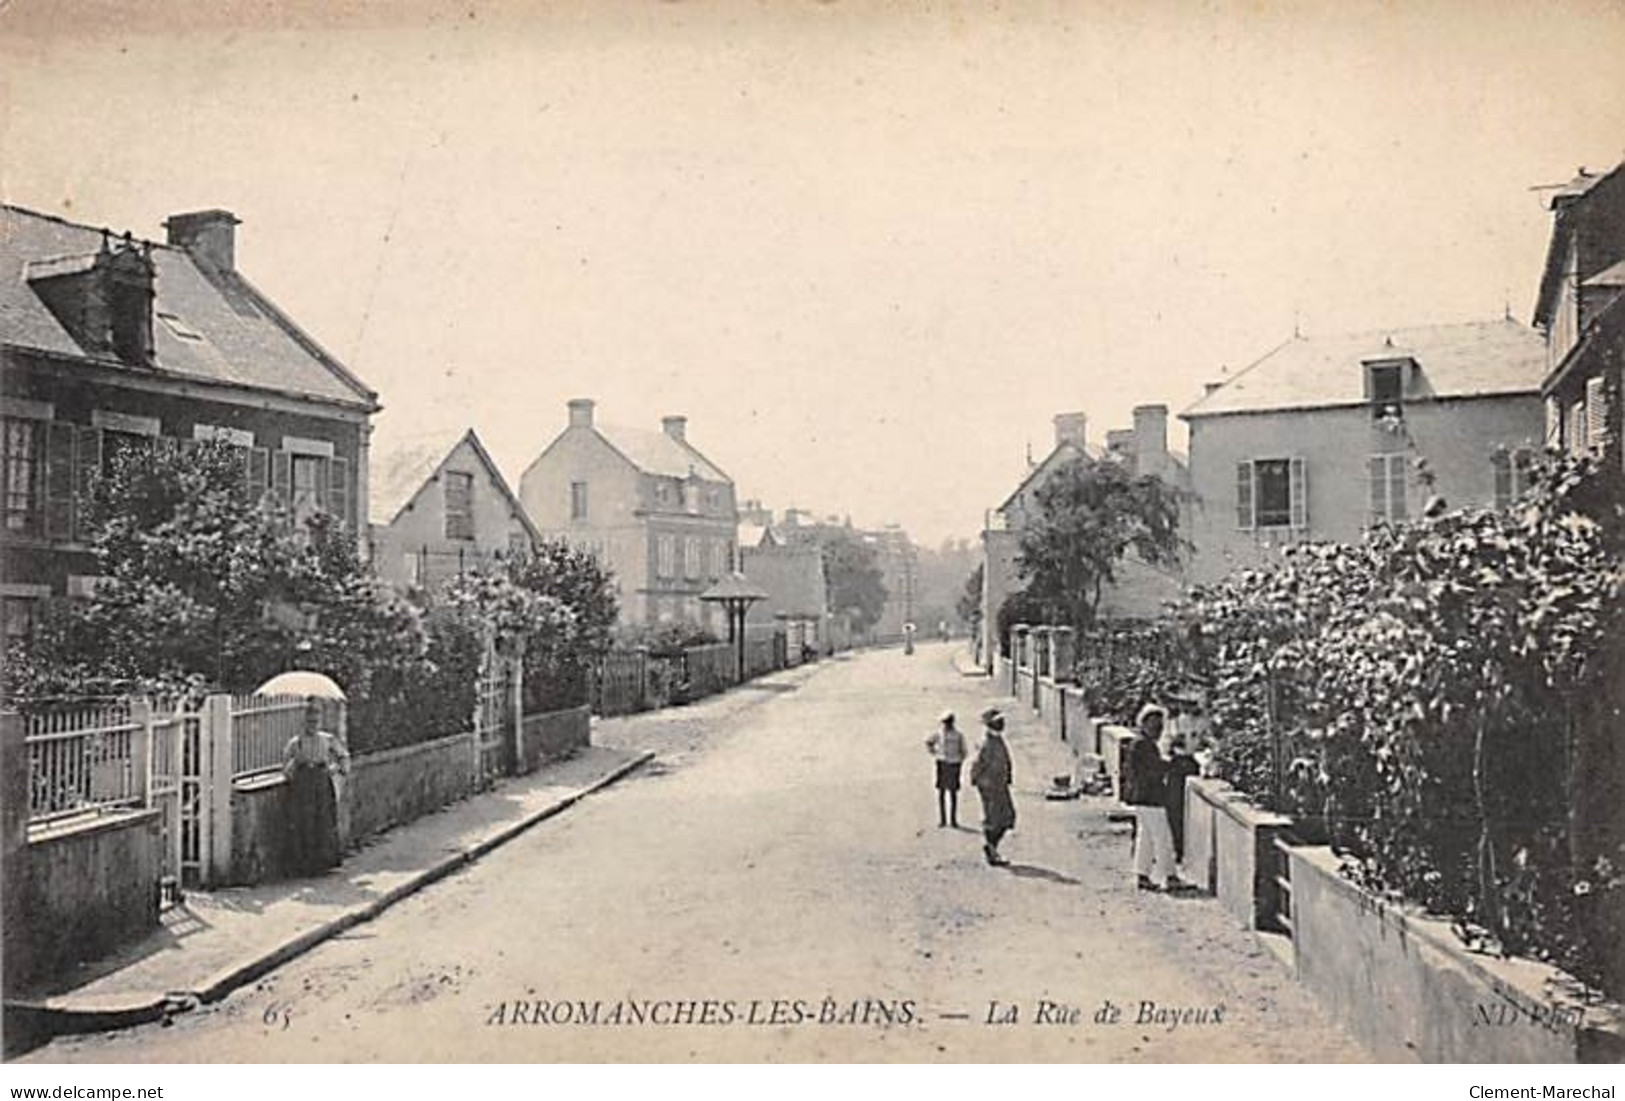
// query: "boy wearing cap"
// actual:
[[947, 745]]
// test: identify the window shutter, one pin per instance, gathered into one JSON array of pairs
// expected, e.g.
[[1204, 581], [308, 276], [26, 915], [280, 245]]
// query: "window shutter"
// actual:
[[282, 476], [258, 472], [1577, 435], [1377, 475], [1397, 507], [339, 496], [1244, 495], [1554, 423], [1596, 412], [1501, 463], [1298, 485], [59, 447], [88, 463]]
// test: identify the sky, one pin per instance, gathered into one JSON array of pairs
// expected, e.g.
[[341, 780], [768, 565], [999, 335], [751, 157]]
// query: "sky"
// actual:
[[868, 249]]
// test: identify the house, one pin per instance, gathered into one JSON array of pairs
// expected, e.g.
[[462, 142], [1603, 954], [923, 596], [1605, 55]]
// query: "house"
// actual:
[[1579, 309], [441, 508], [109, 343], [1140, 590], [1324, 437], [648, 504], [792, 575]]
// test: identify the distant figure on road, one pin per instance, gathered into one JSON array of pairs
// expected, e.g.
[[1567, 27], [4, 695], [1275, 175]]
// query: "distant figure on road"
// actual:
[[942, 629], [310, 761], [1145, 789], [947, 745], [990, 776], [1180, 765]]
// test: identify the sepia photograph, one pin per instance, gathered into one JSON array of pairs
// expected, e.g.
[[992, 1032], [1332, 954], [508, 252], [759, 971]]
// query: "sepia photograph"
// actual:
[[745, 532]]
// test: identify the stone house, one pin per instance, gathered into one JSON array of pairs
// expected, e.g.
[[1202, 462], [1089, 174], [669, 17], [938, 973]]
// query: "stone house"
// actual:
[[1322, 437], [1140, 590], [655, 511], [441, 508], [113, 343], [792, 575], [1580, 311]]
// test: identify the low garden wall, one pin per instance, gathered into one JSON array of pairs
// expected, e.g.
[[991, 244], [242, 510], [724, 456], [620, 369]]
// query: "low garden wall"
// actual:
[[1406, 987], [1114, 743], [81, 893], [397, 785], [259, 830], [1047, 695], [1202, 798], [553, 735]]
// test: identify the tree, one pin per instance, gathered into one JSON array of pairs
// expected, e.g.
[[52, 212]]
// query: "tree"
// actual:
[[852, 577], [969, 606], [1090, 515], [557, 661]]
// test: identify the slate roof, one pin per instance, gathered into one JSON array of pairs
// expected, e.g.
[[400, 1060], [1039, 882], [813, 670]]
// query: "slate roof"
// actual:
[[399, 468], [1569, 205], [655, 452], [244, 339], [1476, 359]]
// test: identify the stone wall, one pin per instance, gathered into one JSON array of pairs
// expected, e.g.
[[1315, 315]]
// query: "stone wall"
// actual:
[[397, 785], [552, 736], [82, 893], [1405, 986]]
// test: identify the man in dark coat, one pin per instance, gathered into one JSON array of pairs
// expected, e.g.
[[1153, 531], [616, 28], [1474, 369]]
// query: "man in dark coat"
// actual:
[[990, 776], [1145, 790]]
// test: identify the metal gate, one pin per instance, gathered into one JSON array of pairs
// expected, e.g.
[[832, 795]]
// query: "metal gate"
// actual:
[[176, 788], [493, 715]]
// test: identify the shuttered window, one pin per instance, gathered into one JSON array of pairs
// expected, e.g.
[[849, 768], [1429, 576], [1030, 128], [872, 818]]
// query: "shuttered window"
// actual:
[[1513, 474], [24, 442], [1272, 493], [1385, 476], [1596, 413]]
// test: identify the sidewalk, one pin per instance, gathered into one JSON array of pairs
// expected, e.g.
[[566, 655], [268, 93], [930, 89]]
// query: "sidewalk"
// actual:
[[216, 941]]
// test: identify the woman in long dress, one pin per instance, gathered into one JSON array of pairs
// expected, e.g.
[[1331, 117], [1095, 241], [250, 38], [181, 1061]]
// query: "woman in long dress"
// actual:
[[310, 762], [990, 776]]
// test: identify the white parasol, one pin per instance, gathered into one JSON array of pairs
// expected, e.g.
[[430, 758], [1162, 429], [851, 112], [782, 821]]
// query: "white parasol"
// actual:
[[301, 682]]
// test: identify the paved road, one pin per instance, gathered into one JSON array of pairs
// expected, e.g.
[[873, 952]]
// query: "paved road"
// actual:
[[777, 889]]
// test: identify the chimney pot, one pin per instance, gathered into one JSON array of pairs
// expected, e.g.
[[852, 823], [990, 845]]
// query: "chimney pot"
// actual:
[[580, 412], [676, 427], [209, 236]]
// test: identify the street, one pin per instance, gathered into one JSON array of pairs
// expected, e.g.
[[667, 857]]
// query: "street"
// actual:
[[775, 887]]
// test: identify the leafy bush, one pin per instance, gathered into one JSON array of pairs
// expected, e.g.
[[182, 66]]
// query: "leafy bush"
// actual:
[[1439, 702]]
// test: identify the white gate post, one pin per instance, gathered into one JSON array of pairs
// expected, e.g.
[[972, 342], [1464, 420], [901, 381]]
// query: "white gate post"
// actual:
[[516, 679], [215, 818], [141, 747]]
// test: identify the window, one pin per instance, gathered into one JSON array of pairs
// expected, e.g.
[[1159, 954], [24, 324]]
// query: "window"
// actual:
[[459, 488], [24, 475], [691, 557], [306, 479], [1386, 475], [18, 616], [1387, 391], [1513, 474], [1385, 387], [665, 556], [578, 500], [1577, 434], [1271, 493], [719, 558]]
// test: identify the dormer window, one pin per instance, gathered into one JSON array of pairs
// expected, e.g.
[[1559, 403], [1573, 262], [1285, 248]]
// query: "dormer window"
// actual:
[[1386, 381]]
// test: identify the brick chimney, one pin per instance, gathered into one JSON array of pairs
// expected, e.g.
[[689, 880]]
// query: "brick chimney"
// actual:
[[1151, 439], [1071, 428], [210, 236], [580, 412], [675, 427]]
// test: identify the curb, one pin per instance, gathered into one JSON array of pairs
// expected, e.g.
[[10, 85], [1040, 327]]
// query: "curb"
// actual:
[[39, 1022]]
